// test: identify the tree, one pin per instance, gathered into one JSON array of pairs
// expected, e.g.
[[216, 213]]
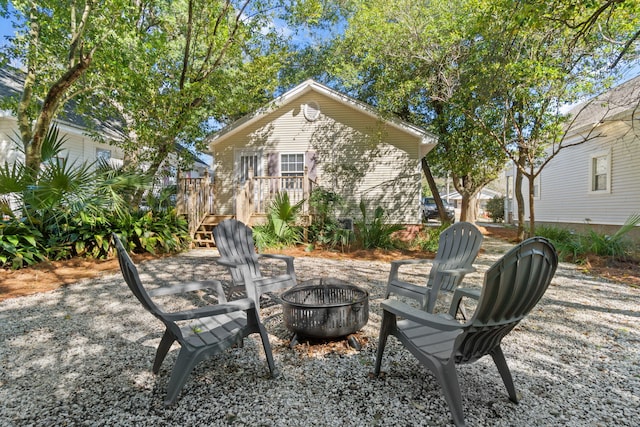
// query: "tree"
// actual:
[[529, 64], [406, 58], [57, 43]]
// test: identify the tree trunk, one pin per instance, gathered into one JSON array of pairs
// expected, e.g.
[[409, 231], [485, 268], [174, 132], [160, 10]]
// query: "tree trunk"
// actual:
[[33, 145], [532, 215], [468, 208], [519, 200], [434, 190]]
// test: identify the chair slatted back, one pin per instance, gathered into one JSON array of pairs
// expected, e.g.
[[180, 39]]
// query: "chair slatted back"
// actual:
[[234, 241], [458, 247], [131, 276], [512, 287]]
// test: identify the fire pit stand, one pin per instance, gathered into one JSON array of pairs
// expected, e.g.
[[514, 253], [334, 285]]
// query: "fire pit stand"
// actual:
[[325, 308]]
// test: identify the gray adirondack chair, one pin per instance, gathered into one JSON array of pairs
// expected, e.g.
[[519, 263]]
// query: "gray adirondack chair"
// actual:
[[512, 287], [458, 248], [203, 331], [234, 241]]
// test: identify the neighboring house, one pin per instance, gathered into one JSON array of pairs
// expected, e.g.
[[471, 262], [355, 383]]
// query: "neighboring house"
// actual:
[[78, 147], [596, 183], [315, 136]]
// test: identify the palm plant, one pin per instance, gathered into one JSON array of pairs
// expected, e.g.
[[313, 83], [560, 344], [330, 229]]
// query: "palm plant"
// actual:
[[62, 196], [280, 229]]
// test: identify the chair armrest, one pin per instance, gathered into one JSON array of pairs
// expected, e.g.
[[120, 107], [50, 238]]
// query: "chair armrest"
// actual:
[[419, 316], [406, 289], [213, 310], [286, 258], [188, 287], [395, 266], [460, 293], [458, 271], [227, 262]]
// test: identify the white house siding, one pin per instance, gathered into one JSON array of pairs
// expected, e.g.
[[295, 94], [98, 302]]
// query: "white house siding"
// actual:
[[565, 195], [78, 147], [356, 155], [8, 149]]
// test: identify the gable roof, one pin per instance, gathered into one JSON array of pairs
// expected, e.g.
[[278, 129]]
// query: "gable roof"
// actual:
[[611, 105], [425, 137]]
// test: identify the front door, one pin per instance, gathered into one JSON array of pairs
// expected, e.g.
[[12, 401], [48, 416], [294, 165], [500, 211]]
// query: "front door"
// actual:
[[245, 160]]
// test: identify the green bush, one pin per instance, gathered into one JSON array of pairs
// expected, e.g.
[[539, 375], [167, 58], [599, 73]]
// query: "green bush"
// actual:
[[325, 229], [20, 244], [576, 247], [280, 230], [495, 209], [375, 233], [429, 238], [70, 209]]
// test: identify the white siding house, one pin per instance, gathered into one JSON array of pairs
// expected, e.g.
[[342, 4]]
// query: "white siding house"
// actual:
[[344, 146], [596, 183], [79, 146]]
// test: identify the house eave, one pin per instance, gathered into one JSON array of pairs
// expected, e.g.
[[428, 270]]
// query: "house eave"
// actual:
[[427, 139]]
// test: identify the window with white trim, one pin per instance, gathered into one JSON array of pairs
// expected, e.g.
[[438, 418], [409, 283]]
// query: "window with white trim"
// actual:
[[601, 172], [292, 165], [102, 154]]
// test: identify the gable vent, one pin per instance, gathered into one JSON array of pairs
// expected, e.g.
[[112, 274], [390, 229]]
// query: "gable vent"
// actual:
[[311, 111]]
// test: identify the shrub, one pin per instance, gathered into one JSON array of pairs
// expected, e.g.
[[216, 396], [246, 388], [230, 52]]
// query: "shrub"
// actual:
[[326, 229], [495, 209], [429, 238], [576, 247], [20, 244], [280, 230], [375, 233]]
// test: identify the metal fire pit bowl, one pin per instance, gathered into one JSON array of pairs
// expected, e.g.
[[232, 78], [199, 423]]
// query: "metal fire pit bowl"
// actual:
[[325, 308]]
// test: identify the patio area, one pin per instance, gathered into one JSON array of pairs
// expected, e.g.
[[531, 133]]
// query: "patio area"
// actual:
[[82, 355]]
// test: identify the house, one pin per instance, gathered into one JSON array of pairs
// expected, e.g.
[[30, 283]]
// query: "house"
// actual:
[[78, 147], [313, 136], [596, 183]]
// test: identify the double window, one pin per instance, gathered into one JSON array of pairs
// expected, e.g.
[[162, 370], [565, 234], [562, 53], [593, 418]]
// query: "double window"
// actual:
[[292, 165]]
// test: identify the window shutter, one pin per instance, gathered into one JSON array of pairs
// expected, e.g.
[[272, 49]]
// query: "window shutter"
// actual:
[[272, 164], [310, 163]]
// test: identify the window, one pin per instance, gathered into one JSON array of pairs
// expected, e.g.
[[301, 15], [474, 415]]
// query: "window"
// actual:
[[601, 172], [247, 162], [102, 154], [292, 165]]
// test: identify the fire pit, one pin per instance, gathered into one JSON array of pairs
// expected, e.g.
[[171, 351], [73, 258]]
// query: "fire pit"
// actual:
[[325, 308]]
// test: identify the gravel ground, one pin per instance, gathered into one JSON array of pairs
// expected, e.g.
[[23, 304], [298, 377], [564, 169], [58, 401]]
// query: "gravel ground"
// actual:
[[81, 355]]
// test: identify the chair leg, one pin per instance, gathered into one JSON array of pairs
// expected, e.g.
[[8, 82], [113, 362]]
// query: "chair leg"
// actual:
[[505, 373], [185, 363], [163, 348], [267, 350], [448, 379], [388, 323]]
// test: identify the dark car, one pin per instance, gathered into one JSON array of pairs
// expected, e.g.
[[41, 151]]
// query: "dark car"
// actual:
[[430, 210]]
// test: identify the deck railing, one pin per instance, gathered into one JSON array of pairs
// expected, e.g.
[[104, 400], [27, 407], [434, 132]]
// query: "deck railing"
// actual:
[[194, 200], [195, 196], [256, 193]]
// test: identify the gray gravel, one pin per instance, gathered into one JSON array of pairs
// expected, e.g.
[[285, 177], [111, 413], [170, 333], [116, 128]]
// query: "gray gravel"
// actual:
[[81, 355]]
